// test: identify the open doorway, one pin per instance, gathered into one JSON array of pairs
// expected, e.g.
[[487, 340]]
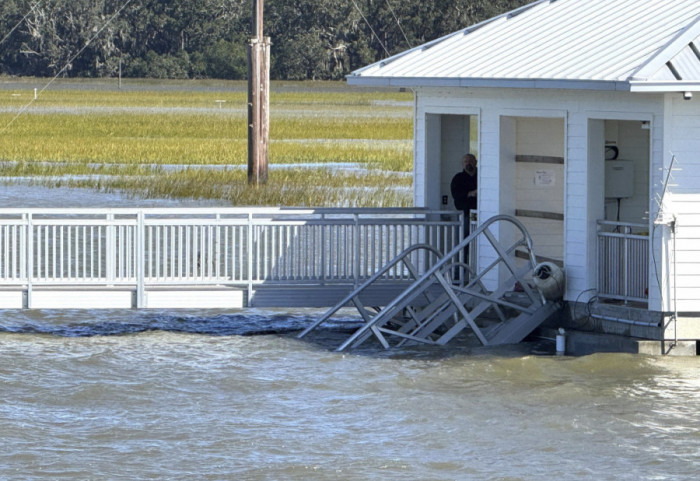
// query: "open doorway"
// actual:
[[448, 138], [619, 204], [626, 171], [618, 159], [458, 137]]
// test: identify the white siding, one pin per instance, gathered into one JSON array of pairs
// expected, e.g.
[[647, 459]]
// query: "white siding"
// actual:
[[541, 136], [684, 197], [687, 209], [540, 186], [685, 143], [580, 182]]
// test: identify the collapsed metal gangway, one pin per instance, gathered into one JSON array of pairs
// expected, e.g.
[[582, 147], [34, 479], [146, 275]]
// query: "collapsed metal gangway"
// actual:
[[451, 296]]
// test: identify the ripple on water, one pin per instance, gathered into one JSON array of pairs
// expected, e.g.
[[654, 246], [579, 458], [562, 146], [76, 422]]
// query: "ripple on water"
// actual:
[[192, 395]]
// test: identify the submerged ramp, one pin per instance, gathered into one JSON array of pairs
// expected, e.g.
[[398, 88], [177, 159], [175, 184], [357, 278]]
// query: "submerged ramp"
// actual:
[[452, 296]]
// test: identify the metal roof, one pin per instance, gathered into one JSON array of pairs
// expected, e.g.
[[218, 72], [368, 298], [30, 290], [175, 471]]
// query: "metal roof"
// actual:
[[639, 45]]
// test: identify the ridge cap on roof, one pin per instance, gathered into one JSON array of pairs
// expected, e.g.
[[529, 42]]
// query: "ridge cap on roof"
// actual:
[[668, 51]]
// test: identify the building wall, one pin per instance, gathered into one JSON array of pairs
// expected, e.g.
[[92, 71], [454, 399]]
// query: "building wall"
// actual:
[[581, 182], [683, 201], [539, 186]]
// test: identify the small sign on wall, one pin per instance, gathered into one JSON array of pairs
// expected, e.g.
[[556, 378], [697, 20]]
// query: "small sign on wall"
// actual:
[[545, 178]]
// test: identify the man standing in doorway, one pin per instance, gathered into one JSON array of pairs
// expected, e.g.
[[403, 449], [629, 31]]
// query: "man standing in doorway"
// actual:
[[464, 190]]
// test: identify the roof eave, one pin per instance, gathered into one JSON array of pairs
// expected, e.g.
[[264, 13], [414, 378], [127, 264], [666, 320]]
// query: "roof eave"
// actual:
[[417, 82], [665, 86]]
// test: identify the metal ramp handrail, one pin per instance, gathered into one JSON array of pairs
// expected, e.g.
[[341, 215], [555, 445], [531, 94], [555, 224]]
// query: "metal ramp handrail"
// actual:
[[403, 257], [447, 309]]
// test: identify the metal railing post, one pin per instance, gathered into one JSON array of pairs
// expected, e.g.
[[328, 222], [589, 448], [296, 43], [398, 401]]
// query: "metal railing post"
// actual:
[[140, 260], [30, 258], [474, 248], [323, 250], [217, 247], [625, 265], [110, 248], [599, 258], [356, 249], [250, 256]]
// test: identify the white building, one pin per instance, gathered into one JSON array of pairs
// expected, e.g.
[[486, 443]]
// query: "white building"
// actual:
[[543, 95]]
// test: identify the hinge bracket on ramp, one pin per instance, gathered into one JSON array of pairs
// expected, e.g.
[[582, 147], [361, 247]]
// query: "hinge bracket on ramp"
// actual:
[[434, 309]]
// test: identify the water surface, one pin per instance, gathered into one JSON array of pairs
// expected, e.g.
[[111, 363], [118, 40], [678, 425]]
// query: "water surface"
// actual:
[[234, 395]]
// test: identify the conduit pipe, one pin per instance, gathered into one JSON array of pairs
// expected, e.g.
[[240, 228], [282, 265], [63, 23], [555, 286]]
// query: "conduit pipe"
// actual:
[[561, 342], [625, 321]]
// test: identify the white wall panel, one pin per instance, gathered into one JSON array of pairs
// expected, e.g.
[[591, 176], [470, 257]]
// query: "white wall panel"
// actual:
[[577, 108]]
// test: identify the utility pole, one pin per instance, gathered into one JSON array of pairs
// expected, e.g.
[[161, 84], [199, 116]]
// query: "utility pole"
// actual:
[[258, 98]]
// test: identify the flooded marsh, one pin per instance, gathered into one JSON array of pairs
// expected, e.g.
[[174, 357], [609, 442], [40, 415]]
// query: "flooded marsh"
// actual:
[[83, 129]]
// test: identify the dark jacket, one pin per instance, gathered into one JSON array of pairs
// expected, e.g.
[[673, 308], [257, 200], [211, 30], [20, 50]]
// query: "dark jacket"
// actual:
[[460, 186]]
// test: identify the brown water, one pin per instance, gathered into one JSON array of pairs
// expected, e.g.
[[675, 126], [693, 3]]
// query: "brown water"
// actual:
[[207, 395]]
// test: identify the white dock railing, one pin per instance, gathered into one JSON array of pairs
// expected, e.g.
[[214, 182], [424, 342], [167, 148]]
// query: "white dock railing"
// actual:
[[211, 246], [623, 261]]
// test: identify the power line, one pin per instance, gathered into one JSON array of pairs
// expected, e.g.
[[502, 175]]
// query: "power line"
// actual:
[[70, 61], [20, 22], [370, 27], [375, 33], [398, 23]]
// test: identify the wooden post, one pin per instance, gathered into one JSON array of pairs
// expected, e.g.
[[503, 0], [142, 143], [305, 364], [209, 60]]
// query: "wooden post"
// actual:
[[258, 98]]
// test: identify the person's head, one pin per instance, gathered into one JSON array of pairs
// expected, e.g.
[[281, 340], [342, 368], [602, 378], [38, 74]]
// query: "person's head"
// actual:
[[469, 163]]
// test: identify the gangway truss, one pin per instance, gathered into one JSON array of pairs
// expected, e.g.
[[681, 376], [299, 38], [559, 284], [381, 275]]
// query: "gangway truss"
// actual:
[[451, 296]]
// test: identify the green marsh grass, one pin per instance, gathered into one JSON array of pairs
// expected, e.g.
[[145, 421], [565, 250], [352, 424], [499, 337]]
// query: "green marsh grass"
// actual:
[[127, 134]]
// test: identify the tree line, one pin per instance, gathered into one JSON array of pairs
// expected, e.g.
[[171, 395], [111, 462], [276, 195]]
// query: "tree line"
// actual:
[[311, 39]]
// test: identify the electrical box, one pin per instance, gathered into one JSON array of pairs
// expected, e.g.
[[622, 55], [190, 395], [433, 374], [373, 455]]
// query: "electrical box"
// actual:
[[619, 179]]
